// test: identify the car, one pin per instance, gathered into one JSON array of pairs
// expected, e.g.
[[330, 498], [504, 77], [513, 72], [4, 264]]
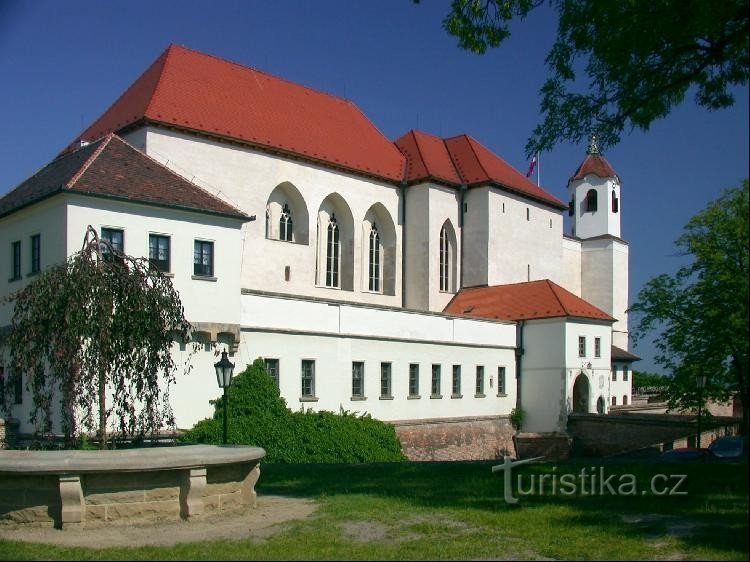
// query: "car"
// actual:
[[729, 447], [688, 454]]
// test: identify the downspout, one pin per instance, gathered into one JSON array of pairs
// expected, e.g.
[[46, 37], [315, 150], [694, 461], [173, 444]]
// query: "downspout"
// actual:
[[402, 187], [461, 213], [519, 356]]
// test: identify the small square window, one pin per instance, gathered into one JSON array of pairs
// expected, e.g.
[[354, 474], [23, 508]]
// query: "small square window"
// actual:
[[272, 368], [203, 258], [158, 252], [358, 379], [581, 346]]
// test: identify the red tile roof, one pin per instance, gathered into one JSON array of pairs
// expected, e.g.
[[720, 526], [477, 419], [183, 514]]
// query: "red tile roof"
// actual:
[[199, 92], [594, 164], [523, 301], [112, 168], [462, 160], [427, 157]]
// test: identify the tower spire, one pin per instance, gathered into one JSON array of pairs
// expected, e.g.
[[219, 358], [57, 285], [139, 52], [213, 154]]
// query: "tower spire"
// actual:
[[593, 144]]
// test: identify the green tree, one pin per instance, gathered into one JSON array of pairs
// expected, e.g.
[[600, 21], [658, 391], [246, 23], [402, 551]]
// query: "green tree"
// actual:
[[638, 59], [100, 323], [700, 314]]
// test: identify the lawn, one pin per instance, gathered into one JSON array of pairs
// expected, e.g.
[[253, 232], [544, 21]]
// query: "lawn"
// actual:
[[457, 511]]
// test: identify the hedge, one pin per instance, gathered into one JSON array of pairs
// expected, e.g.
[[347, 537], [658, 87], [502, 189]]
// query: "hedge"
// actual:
[[259, 416]]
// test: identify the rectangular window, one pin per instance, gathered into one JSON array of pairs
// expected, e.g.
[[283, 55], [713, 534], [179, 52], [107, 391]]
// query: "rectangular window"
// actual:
[[501, 380], [308, 378], [479, 388], [36, 253], [581, 346], [15, 257], [597, 347], [158, 252], [614, 373], [116, 239], [435, 380], [272, 368], [385, 380], [203, 258], [625, 373], [414, 379], [18, 389], [456, 380], [358, 379]]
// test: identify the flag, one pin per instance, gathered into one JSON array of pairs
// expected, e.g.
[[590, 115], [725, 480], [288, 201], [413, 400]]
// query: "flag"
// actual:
[[532, 166]]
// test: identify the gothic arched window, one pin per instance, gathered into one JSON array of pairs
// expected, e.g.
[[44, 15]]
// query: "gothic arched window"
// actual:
[[374, 259], [332, 253], [445, 259], [591, 201], [286, 226]]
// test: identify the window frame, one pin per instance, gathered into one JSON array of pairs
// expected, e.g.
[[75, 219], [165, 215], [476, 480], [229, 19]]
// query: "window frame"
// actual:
[[444, 260], [358, 379], [386, 380], [307, 376], [273, 371], [202, 244], [36, 254], [414, 380], [155, 262], [456, 382], [502, 388], [15, 260], [581, 346], [286, 224], [374, 261], [333, 253], [436, 380], [592, 201], [597, 347], [105, 234], [479, 382]]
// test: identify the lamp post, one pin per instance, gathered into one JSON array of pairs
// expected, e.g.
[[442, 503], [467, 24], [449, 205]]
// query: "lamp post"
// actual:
[[700, 382], [224, 371]]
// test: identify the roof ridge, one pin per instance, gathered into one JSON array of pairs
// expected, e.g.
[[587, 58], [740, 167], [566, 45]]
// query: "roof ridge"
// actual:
[[102, 144], [453, 162], [552, 286], [390, 142], [165, 54], [471, 142], [419, 151]]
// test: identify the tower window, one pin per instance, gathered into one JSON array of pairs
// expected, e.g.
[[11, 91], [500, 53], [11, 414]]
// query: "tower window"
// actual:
[[615, 202], [591, 201]]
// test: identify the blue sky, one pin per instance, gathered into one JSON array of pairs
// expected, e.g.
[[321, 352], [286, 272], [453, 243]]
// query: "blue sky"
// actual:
[[64, 63]]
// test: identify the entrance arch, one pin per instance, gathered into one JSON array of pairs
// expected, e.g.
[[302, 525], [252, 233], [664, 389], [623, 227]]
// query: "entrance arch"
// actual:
[[581, 394]]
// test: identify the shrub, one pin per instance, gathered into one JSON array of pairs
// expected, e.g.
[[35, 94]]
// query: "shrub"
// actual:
[[259, 416], [516, 417]]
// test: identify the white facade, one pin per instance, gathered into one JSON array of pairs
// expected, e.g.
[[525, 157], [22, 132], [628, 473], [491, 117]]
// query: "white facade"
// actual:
[[272, 294]]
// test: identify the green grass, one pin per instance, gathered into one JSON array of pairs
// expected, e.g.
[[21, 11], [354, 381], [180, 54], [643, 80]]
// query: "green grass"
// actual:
[[456, 511]]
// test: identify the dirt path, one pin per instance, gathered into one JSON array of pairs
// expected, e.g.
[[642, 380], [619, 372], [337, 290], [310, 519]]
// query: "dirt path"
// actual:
[[263, 521]]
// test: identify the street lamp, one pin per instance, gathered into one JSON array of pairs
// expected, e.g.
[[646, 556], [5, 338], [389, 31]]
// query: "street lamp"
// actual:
[[700, 382], [224, 371]]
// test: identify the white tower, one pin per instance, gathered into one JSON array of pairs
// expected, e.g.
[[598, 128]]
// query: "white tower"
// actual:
[[595, 207]]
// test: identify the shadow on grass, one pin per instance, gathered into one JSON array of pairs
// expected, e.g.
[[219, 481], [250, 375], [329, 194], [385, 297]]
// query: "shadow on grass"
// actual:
[[707, 509]]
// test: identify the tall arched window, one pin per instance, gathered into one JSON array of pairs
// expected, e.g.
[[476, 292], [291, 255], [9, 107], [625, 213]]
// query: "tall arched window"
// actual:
[[591, 201], [332, 253], [286, 226], [374, 259], [615, 202], [445, 256]]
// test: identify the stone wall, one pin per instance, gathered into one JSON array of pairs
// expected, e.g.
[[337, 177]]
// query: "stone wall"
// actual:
[[595, 435], [453, 439]]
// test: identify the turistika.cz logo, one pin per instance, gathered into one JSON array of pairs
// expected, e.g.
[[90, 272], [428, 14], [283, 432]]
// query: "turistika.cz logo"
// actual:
[[590, 481]]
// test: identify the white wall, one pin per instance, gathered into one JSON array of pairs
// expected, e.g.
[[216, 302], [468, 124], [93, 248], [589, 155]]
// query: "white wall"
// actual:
[[204, 301], [571, 265], [476, 237], [246, 179], [47, 219], [599, 372], [620, 387], [519, 249]]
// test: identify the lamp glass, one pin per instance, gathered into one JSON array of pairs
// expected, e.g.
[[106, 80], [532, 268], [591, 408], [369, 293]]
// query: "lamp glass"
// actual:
[[224, 371]]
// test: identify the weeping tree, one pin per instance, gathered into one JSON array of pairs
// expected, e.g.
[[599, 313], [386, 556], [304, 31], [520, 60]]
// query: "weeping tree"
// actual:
[[93, 335]]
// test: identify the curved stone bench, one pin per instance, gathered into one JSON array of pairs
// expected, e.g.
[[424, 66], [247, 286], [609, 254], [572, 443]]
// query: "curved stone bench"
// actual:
[[75, 488]]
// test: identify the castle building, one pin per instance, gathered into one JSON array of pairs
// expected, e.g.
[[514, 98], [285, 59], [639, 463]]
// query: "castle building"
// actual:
[[424, 281]]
